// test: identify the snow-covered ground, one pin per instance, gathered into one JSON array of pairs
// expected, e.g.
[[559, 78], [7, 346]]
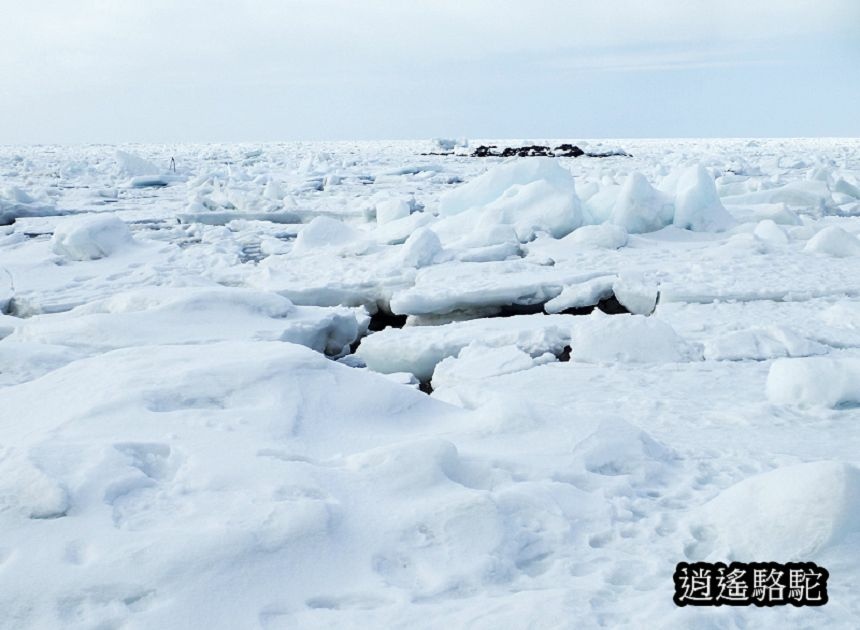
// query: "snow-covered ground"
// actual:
[[214, 382]]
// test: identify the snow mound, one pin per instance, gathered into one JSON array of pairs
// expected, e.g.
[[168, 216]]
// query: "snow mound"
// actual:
[[618, 448], [601, 338], [842, 315], [195, 459], [24, 360], [834, 241], [26, 491], [697, 204], [602, 236], [759, 344], [641, 208], [193, 315], [817, 381], [791, 513], [532, 195], [331, 234], [91, 237], [768, 230]]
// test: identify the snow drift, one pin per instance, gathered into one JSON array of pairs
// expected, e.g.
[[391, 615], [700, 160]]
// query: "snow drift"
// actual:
[[815, 381], [792, 513]]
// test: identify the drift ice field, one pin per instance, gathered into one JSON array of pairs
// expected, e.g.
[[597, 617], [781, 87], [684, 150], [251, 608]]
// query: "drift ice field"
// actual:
[[359, 385]]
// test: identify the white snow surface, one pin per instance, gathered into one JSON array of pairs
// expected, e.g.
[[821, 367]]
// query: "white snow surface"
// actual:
[[203, 426]]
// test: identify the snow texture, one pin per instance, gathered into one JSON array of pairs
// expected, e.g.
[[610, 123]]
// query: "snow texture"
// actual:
[[354, 385]]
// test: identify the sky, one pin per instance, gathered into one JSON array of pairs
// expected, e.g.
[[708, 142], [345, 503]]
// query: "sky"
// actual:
[[113, 71]]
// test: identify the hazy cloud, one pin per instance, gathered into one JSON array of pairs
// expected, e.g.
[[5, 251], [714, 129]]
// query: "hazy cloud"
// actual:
[[301, 52]]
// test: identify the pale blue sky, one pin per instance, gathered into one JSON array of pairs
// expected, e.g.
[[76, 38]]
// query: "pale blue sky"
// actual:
[[203, 70]]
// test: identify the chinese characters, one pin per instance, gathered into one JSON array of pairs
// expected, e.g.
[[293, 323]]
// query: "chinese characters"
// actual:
[[744, 584]]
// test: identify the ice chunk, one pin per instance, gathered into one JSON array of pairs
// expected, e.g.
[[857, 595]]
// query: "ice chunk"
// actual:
[[846, 188], [768, 230], [396, 232], [641, 208], [327, 233], [636, 293], [16, 203], [496, 181], [530, 194], [421, 248], [477, 361], [132, 165], [581, 295], [419, 349], [453, 286], [90, 237], [495, 243], [272, 190], [389, 210], [327, 277], [834, 241], [601, 204], [697, 204]]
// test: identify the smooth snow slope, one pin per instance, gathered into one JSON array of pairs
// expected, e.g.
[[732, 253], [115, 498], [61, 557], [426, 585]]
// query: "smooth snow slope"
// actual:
[[201, 425]]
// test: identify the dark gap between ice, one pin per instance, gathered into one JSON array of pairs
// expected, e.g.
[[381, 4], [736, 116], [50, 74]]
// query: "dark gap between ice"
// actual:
[[383, 319]]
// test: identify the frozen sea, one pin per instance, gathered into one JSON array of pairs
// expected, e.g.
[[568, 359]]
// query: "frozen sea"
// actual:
[[390, 385]]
